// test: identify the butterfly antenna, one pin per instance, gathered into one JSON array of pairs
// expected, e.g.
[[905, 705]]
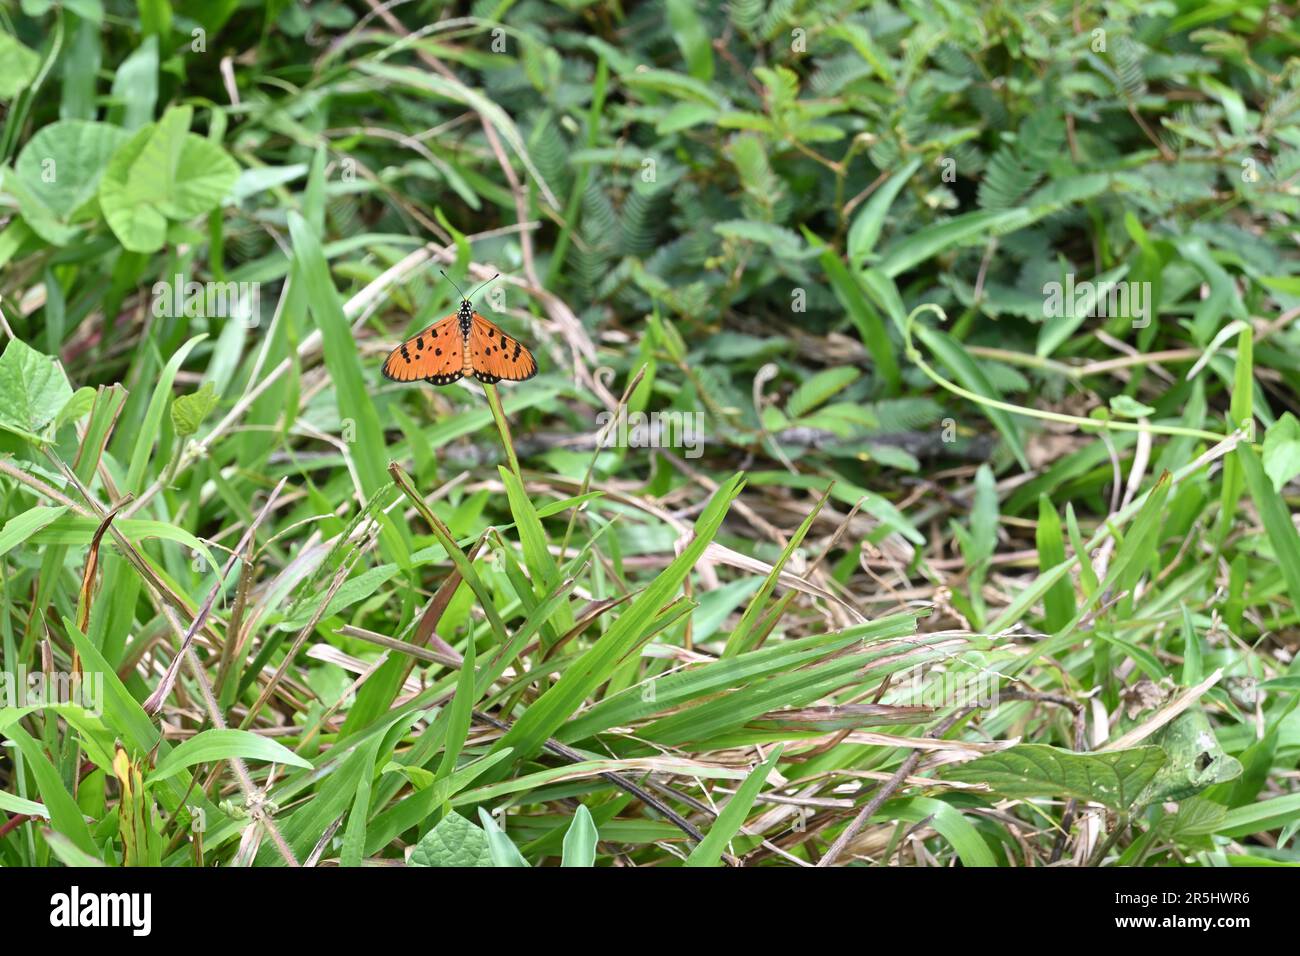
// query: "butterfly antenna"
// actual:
[[453, 284], [476, 291]]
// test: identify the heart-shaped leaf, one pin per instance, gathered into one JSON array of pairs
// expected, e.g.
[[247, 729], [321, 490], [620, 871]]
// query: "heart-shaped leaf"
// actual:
[[163, 172], [58, 173], [33, 390], [453, 842]]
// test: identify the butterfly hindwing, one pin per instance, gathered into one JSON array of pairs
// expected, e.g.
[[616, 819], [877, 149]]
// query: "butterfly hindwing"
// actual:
[[496, 356], [435, 355]]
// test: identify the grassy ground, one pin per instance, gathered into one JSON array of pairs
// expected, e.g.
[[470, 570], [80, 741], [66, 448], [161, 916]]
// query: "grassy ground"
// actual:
[[836, 528]]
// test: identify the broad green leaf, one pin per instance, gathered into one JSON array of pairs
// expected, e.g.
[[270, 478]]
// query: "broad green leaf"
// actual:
[[205, 173], [1196, 817], [18, 66], [136, 221], [1194, 759], [188, 411], [33, 390], [454, 842], [77, 407], [62, 162], [59, 172], [163, 172], [1282, 450], [1026, 771]]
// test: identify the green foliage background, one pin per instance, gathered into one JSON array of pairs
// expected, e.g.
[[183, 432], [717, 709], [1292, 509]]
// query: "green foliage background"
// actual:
[[827, 229]]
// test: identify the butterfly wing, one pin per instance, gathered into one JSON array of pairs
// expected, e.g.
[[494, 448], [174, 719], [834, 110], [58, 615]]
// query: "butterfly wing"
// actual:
[[495, 356], [436, 355]]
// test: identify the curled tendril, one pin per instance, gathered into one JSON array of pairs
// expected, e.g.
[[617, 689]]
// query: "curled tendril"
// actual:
[[914, 355], [604, 374]]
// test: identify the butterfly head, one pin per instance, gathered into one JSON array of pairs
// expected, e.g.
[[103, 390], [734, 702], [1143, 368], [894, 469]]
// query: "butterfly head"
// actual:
[[466, 309]]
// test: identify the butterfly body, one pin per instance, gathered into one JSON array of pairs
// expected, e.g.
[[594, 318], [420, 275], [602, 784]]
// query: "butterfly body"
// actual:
[[462, 345], [466, 318]]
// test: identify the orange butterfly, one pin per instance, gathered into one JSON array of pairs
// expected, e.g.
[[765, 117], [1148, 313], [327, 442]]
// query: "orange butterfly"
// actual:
[[462, 344]]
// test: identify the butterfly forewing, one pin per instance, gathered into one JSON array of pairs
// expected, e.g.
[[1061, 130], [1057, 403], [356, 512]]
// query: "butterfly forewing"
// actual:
[[436, 355], [495, 356]]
